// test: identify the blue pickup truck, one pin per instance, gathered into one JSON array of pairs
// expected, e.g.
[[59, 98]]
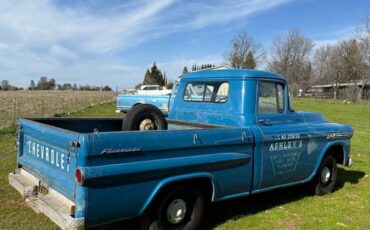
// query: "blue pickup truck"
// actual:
[[125, 101], [229, 134]]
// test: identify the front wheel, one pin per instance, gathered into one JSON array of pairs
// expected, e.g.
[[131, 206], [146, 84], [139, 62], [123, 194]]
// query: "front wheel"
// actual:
[[182, 208], [326, 177]]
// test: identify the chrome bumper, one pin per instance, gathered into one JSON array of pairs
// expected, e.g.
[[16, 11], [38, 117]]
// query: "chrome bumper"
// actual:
[[349, 162]]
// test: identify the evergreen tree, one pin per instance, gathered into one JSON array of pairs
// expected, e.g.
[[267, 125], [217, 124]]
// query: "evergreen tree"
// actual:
[[194, 68], [169, 85], [138, 86], [147, 78], [154, 73], [165, 78], [185, 70], [32, 85], [46, 84], [52, 84], [106, 88], [154, 76], [249, 62]]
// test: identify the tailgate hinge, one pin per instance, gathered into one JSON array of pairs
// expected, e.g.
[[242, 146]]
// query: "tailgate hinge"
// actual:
[[71, 145]]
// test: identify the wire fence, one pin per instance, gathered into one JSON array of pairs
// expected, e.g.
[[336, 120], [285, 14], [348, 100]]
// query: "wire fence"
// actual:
[[18, 104], [343, 93]]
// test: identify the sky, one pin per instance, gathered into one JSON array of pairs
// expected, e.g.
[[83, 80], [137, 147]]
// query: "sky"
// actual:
[[113, 42]]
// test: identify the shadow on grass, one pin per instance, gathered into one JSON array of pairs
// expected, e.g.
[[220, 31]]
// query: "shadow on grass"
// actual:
[[234, 209], [218, 213], [348, 176]]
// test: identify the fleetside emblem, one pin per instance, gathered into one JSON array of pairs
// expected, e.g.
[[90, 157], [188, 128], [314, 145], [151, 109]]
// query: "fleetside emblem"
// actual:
[[111, 151]]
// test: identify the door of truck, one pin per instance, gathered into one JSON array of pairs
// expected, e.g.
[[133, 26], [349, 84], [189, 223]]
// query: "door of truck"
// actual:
[[283, 137]]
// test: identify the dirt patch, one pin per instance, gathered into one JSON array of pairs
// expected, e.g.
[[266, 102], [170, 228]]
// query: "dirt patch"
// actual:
[[288, 224]]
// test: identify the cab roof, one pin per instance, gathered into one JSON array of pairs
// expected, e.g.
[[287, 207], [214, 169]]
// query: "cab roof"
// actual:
[[227, 74]]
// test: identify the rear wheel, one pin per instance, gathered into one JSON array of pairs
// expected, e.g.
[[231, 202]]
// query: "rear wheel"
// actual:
[[326, 177], [144, 117], [181, 208]]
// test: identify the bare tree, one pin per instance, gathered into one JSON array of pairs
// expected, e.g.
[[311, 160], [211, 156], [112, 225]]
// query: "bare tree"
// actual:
[[339, 63], [327, 63], [364, 45], [321, 63], [290, 56], [242, 44], [5, 85], [352, 64]]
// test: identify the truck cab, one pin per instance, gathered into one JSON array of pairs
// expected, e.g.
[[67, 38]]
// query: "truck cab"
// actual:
[[225, 97], [288, 144]]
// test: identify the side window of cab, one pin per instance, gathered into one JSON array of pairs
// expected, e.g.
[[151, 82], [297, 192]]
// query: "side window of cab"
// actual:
[[209, 92], [271, 97]]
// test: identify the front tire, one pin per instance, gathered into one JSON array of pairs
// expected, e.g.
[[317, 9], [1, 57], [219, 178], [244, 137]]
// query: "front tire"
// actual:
[[326, 177], [181, 208]]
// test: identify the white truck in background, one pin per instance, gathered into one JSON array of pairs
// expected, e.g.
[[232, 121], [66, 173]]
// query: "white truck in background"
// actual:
[[153, 90]]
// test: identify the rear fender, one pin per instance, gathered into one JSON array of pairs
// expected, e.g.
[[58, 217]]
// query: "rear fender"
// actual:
[[178, 179]]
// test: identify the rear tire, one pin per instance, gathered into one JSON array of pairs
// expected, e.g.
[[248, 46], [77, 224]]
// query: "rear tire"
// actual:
[[326, 177], [144, 117], [181, 208]]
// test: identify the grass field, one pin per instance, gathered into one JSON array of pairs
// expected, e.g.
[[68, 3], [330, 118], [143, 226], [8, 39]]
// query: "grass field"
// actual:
[[347, 208]]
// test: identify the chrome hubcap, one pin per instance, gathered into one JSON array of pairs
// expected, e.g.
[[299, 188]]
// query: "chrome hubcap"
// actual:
[[147, 124], [176, 211], [325, 175]]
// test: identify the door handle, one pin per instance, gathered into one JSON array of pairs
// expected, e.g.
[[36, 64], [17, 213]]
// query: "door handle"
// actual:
[[265, 122]]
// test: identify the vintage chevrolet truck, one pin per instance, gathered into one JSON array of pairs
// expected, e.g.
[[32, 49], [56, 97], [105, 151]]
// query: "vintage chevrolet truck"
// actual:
[[230, 134]]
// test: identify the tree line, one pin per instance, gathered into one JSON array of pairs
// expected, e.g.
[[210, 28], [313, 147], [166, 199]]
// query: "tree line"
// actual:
[[295, 56], [45, 83], [154, 76], [5, 85]]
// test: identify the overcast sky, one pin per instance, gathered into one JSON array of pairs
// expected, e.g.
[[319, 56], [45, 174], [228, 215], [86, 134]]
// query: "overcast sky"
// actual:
[[113, 42]]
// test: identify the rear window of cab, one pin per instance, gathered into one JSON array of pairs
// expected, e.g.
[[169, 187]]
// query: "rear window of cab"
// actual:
[[210, 92]]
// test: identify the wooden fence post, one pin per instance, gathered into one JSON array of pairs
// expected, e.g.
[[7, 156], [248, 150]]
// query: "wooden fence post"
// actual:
[[63, 108], [42, 107], [14, 110]]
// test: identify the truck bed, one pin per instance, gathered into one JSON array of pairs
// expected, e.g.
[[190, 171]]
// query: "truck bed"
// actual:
[[94, 125], [124, 170]]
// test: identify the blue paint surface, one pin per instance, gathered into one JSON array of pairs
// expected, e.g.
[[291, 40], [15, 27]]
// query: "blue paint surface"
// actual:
[[125, 102]]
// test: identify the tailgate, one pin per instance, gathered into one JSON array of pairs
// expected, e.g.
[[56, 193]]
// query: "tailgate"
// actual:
[[49, 154]]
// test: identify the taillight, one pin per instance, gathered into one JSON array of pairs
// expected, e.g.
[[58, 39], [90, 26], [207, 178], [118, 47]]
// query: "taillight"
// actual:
[[79, 176]]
